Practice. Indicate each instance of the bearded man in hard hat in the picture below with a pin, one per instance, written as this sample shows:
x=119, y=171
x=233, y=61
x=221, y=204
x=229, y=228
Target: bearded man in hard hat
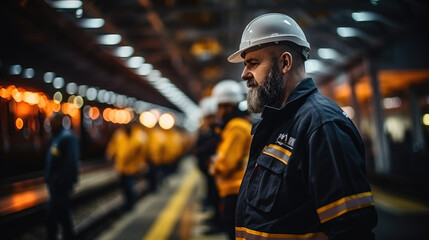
x=230, y=160
x=305, y=177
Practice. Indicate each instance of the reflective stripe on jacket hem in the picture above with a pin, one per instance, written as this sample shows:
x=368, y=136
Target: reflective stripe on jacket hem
x=344, y=205
x=242, y=233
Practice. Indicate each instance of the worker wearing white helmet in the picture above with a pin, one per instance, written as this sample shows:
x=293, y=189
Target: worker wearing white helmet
x=229, y=163
x=205, y=148
x=305, y=177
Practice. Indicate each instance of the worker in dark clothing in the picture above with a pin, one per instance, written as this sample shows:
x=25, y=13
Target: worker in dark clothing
x=61, y=174
x=205, y=148
x=229, y=163
x=305, y=177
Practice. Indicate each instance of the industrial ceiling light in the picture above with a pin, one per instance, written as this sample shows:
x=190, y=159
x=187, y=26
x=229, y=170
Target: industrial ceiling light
x=48, y=77
x=364, y=16
x=124, y=51
x=347, y=32
x=328, y=53
x=58, y=82
x=28, y=73
x=313, y=65
x=66, y=4
x=109, y=39
x=135, y=62
x=145, y=69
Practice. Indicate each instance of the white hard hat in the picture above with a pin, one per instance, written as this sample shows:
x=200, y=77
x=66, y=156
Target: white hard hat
x=270, y=28
x=228, y=91
x=208, y=106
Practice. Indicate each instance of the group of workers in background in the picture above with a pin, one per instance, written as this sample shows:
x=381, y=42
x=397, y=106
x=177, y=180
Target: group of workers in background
x=223, y=148
x=301, y=175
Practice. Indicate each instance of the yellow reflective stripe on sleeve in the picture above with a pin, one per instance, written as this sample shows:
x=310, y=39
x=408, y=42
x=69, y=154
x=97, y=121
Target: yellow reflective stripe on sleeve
x=344, y=205
x=277, y=152
x=55, y=151
x=243, y=233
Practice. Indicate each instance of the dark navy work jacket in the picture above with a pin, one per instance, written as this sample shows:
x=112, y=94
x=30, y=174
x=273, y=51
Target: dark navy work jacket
x=62, y=161
x=305, y=177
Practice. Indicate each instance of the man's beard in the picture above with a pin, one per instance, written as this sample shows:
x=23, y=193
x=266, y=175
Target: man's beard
x=270, y=92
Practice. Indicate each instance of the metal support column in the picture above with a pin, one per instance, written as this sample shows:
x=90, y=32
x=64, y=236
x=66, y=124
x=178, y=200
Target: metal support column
x=381, y=145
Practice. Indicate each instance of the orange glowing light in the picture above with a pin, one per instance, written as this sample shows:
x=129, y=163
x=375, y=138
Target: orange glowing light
x=31, y=98
x=112, y=115
x=43, y=101
x=17, y=95
x=106, y=114
x=94, y=113
x=73, y=112
x=23, y=109
x=56, y=107
x=148, y=119
x=166, y=121
x=19, y=123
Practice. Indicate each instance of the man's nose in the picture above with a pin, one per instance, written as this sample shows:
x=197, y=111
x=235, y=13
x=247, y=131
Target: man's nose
x=246, y=75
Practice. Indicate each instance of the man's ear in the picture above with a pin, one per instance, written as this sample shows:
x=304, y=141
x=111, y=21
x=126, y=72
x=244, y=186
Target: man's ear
x=286, y=59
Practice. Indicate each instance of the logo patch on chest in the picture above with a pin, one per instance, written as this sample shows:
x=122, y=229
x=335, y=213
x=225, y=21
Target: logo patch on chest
x=285, y=140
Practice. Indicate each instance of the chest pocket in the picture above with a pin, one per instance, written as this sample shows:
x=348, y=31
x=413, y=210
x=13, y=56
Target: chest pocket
x=266, y=178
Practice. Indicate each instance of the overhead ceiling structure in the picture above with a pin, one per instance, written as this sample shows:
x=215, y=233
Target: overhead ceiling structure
x=169, y=52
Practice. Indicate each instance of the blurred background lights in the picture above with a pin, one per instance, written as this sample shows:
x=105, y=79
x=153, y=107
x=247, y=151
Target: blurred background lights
x=31, y=98
x=135, y=62
x=66, y=4
x=78, y=101
x=145, y=69
x=364, y=16
x=91, y=94
x=58, y=82
x=328, y=53
x=71, y=88
x=166, y=121
x=426, y=119
x=106, y=113
x=82, y=90
x=79, y=13
x=19, y=123
x=48, y=77
x=28, y=73
x=393, y=102
x=312, y=65
x=94, y=113
x=148, y=119
x=347, y=32
x=124, y=51
x=58, y=97
x=109, y=39
x=15, y=69
x=91, y=23
x=17, y=95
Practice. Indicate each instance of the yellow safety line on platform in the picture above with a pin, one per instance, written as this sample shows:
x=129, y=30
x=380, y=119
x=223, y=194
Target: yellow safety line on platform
x=397, y=203
x=167, y=219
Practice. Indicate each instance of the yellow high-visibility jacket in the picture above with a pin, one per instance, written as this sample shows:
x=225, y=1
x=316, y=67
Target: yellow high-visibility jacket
x=129, y=152
x=232, y=153
x=157, y=146
x=174, y=149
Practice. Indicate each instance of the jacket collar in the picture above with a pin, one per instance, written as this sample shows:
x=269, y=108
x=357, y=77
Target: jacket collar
x=301, y=91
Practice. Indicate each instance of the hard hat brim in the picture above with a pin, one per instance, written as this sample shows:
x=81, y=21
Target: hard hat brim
x=236, y=57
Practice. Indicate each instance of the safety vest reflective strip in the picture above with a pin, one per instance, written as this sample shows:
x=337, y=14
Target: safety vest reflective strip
x=242, y=233
x=277, y=152
x=344, y=205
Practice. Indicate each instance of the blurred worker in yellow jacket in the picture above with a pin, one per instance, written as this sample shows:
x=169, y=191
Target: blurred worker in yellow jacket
x=229, y=163
x=156, y=155
x=128, y=148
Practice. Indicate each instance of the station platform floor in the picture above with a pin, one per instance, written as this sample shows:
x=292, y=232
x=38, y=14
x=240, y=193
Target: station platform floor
x=175, y=211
